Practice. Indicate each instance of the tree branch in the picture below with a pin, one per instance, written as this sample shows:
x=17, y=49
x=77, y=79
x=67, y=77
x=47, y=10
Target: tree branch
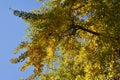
x=87, y=30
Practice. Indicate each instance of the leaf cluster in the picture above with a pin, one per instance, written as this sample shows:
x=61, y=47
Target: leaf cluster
x=70, y=46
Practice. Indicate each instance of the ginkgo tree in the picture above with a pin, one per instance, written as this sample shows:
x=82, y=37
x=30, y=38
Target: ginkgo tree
x=72, y=39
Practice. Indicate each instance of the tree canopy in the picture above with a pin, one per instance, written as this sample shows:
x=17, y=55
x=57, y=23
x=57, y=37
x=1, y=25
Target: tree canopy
x=72, y=39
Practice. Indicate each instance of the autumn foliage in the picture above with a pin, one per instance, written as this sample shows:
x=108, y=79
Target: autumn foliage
x=72, y=39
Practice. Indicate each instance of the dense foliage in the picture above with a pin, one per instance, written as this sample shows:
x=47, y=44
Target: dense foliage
x=72, y=40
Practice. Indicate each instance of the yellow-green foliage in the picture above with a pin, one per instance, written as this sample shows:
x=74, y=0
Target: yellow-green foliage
x=73, y=48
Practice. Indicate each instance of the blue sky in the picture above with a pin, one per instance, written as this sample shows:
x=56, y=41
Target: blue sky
x=12, y=31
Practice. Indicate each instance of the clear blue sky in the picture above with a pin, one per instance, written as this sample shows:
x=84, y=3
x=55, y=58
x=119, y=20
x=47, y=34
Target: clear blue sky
x=12, y=30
